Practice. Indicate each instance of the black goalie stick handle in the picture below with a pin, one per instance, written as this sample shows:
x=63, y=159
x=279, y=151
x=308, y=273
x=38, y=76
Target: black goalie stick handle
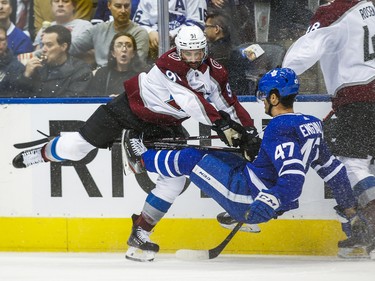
x=214, y=252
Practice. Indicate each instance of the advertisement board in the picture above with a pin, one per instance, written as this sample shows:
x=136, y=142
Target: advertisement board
x=96, y=186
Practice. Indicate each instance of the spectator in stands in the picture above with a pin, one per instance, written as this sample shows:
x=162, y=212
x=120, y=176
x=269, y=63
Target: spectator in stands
x=103, y=13
x=241, y=13
x=23, y=16
x=18, y=41
x=43, y=12
x=10, y=67
x=123, y=63
x=217, y=31
x=63, y=13
x=181, y=13
x=101, y=34
x=55, y=73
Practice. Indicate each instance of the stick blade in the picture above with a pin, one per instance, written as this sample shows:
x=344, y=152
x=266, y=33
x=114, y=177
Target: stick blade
x=185, y=254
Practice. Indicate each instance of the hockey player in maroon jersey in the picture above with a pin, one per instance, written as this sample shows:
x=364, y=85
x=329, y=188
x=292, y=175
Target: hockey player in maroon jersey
x=184, y=83
x=341, y=37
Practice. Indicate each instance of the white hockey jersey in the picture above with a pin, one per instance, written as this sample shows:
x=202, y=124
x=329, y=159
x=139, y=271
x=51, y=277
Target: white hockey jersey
x=342, y=38
x=171, y=92
x=181, y=12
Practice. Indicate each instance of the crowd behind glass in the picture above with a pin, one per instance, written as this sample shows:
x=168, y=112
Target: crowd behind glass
x=101, y=44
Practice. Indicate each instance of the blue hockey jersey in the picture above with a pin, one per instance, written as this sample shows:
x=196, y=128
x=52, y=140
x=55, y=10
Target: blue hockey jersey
x=292, y=144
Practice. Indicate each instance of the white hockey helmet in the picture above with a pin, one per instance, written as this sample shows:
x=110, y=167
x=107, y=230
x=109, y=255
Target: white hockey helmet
x=191, y=38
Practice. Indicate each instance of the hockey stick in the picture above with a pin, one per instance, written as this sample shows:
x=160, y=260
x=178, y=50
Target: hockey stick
x=33, y=143
x=47, y=139
x=187, y=138
x=208, y=254
x=171, y=145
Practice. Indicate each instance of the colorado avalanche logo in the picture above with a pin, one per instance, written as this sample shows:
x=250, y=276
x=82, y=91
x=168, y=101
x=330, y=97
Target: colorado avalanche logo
x=216, y=64
x=174, y=56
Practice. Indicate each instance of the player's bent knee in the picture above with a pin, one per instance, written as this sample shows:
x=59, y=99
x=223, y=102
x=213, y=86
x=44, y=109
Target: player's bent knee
x=189, y=158
x=70, y=146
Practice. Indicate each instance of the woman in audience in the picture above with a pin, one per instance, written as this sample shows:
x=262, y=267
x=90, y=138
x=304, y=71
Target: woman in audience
x=10, y=67
x=123, y=63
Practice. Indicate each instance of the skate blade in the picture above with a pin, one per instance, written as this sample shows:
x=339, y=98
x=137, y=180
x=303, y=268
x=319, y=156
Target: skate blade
x=139, y=255
x=125, y=162
x=254, y=228
x=353, y=253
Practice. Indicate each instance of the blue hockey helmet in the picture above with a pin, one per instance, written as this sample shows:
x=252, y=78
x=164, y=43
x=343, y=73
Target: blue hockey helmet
x=284, y=80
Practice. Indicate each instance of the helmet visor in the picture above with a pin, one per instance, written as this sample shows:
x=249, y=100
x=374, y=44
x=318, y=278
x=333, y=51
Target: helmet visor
x=261, y=96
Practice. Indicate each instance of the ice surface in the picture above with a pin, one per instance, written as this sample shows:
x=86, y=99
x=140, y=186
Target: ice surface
x=114, y=267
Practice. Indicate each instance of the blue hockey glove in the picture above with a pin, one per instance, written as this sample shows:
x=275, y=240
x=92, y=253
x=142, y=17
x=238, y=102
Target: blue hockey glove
x=262, y=209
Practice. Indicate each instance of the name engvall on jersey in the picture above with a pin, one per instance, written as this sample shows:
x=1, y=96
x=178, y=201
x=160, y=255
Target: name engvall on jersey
x=311, y=129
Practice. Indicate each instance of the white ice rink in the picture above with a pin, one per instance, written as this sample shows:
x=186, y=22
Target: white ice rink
x=114, y=267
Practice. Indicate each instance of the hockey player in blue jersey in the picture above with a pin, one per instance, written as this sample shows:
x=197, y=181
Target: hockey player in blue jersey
x=256, y=192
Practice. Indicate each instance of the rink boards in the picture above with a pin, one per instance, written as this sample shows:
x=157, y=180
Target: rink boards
x=86, y=206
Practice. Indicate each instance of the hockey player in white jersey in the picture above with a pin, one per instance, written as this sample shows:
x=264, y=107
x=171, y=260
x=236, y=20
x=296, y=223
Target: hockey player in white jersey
x=184, y=83
x=181, y=13
x=271, y=185
x=341, y=37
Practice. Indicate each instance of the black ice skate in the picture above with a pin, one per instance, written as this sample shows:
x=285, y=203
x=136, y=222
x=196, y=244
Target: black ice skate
x=228, y=222
x=132, y=148
x=355, y=247
x=140, y=246
x=28, y=158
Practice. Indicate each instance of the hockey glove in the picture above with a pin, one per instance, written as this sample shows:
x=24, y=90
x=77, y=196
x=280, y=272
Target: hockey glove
x=250, y=143
x=224, y=129
x=352, y=226
x=262, y=209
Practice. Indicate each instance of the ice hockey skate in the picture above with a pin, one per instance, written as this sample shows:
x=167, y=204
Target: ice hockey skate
x=355, y=247
x=140, y=246
x=228, y=222
x=132, y=148
x=28, y=158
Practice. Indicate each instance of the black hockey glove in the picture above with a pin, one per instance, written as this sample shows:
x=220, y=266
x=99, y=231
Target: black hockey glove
x=354, y=225
x=224, y=129
x=250, y=143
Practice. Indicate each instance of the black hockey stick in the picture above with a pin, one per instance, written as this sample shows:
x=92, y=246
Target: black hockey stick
x=33, y=143
x=23, y=145
x=47, y=139
x=187, y=138
x=171, y=145
x=208, y=254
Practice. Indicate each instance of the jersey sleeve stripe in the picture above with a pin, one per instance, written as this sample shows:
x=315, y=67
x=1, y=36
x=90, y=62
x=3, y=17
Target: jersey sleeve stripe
x=292, y=172
x=327, y=164
x=334, y=172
